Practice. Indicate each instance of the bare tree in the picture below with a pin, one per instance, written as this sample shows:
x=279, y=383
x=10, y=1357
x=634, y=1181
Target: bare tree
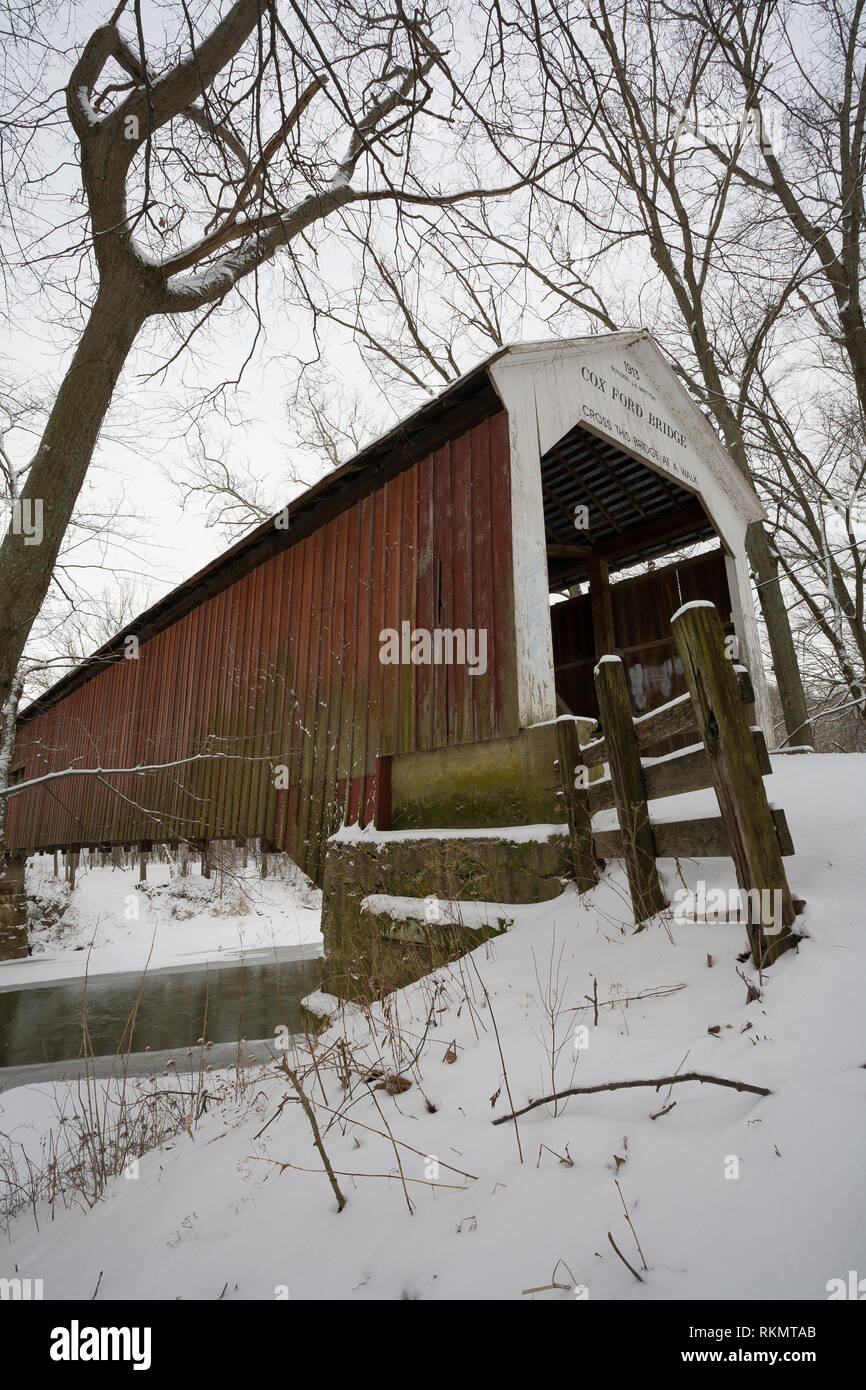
x=644, y=225
x=196, y=170
x=808, y=460
x=803, y=68
x=327, y=426
x=102, y=539
x=664, y=215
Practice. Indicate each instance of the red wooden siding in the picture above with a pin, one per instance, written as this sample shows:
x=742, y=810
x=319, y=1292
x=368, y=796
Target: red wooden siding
x=642, y=612
x=283, y=668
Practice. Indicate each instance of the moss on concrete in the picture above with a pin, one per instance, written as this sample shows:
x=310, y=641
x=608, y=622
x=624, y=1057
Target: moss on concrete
x=501, y=781
x=504, y=782
x=368, y=954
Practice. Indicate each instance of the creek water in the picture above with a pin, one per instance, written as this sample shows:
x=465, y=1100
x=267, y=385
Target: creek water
x=166, y=1012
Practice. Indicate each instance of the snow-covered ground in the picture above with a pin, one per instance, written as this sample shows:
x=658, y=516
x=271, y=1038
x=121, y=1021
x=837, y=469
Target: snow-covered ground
x=729, y=1194
x=115, y=924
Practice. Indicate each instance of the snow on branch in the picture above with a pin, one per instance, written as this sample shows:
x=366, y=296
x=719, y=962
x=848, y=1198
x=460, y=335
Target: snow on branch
x=139, y=770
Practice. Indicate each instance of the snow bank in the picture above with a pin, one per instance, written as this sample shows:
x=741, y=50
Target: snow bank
x=515, y=834
x=732, y=1195
x=442, y=912
x=115, y=924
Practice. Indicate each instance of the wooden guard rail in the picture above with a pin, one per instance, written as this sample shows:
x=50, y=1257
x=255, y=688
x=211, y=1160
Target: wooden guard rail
x=731, y=757
x=677, y=717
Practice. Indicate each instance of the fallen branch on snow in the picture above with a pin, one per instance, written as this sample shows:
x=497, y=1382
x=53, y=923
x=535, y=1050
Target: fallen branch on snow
x=657, y=1083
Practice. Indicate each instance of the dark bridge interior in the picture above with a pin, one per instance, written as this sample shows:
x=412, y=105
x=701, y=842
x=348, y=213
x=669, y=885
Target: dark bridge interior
x=634, y=513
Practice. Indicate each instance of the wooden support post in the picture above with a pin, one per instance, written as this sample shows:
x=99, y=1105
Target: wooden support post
x=56, y=867
x=145, y=852
x=626, y=775
x=266, y=847
x=205, y=859
x=382, y=809
x=73, y=865
x=576, y=806
x=604, y=637
x=737, y=778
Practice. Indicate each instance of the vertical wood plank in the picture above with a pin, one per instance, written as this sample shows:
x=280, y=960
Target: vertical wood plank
x=425, y=600
x=507, y=707
x=604, y=636
x=576, y=807
x=626, y=777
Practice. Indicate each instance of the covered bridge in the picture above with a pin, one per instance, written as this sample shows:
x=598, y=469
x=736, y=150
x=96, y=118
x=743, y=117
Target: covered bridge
x=402, y=605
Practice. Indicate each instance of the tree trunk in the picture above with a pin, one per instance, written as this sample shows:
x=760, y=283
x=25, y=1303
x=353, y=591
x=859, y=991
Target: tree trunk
x=766, y=571
x=8, y=721
x=62, y=459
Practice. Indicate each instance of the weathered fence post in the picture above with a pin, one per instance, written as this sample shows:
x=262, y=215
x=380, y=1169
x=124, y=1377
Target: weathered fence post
x=576, y=806
x=627, y=782
x=737, y=778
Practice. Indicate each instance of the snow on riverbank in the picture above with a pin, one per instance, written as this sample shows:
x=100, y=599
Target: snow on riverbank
x=730, y=1194
x=113, y=924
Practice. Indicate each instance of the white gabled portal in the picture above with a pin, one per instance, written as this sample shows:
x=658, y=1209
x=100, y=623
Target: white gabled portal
x=619, y=387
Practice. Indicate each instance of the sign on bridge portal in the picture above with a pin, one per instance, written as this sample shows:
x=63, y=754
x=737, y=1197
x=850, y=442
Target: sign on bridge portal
x=622, y=401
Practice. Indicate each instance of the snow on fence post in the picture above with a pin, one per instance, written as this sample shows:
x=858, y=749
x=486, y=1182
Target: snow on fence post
x=629, y=791
x=737, y=778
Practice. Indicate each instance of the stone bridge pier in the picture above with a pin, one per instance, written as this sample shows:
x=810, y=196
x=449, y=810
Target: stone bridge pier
x=13, y=909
